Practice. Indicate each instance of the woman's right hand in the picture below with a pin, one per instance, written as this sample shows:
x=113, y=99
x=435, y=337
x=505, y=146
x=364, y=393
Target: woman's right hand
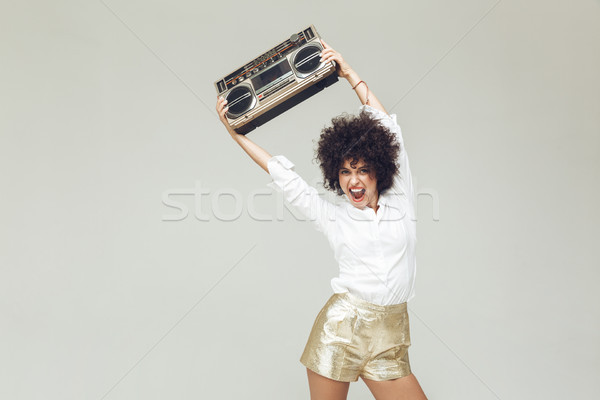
x=222, y=110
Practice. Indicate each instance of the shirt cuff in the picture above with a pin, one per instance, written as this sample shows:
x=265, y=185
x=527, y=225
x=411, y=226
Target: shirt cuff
x=389, y=121
x=378, y=113
x=279, y=168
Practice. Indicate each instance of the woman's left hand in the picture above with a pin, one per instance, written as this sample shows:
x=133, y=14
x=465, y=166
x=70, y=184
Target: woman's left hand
x=329, y=54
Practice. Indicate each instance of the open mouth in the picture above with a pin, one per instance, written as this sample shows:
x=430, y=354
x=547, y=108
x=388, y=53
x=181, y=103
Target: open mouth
x=357, y=194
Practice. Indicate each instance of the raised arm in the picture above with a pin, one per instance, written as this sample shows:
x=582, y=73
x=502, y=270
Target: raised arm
x=345, y=71
x=257, y=153
x=295, y=190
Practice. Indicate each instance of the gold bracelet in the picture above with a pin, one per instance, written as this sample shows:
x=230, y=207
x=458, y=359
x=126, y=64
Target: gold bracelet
x=354, y=87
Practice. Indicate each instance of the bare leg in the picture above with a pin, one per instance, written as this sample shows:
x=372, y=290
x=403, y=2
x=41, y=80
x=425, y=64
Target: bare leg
x=322, y=388
x=405, y=388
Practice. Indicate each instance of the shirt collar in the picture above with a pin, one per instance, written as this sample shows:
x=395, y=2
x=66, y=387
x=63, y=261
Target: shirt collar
x=384, y=200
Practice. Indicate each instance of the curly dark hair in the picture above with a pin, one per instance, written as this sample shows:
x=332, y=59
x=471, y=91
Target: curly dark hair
x=352, y=138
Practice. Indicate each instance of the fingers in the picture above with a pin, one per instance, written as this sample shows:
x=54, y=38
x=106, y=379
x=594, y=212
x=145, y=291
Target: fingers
x=330, y=54
x=222, y=106
x=328, y=58
x=328, y=51
x=221, y=102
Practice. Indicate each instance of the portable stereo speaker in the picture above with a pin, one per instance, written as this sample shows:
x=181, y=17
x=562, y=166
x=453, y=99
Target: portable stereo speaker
x=276, y=81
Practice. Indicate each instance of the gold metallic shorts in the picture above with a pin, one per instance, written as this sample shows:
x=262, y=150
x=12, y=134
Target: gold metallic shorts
x=352, y=337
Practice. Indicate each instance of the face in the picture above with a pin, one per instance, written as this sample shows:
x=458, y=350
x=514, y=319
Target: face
x=359, y=183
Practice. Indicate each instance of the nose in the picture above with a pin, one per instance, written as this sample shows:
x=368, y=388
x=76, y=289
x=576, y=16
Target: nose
x=354, y=180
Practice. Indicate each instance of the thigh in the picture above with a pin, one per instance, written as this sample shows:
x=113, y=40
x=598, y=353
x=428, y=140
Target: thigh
x=322, y=388
x=405, y=388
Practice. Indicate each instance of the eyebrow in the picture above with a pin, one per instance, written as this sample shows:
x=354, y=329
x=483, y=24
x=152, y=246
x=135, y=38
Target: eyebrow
x=362, y=166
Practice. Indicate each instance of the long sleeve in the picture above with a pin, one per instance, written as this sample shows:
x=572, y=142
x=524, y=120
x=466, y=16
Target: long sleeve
x=403, y=184
x=300, y=194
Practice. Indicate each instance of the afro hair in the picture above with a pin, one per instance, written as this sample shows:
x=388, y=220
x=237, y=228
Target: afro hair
x=353, y=138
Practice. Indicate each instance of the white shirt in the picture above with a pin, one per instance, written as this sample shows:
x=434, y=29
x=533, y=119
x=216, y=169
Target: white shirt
x=375, y=251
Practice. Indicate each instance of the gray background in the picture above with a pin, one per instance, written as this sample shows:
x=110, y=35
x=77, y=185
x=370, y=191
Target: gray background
x=105, y=107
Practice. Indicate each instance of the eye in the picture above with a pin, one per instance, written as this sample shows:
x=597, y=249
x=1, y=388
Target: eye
x=344, y=172
x=364, y=171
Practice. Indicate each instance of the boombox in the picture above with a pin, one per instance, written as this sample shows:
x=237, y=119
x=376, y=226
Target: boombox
x=276, y=81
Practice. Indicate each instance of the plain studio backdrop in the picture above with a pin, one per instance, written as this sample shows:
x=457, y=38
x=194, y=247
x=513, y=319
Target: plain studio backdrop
x=107, y=117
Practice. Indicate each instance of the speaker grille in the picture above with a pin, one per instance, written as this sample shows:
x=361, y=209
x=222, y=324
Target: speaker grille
x=306, y=60
x=240, y=100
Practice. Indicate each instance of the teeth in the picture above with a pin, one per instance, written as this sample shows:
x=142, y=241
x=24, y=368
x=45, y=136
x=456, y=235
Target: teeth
x=356, y=190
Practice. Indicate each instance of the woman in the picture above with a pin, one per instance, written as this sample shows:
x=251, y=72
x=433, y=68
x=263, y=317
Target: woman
x=363, y=329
